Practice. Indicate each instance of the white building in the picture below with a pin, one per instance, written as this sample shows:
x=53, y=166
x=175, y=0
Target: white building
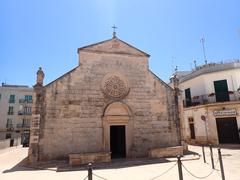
x=15, y=111
x=211, y=101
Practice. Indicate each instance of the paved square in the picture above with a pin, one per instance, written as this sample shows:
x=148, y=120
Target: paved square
x=9, y=158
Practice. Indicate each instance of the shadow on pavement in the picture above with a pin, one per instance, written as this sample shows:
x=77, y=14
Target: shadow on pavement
x=191, y=153
x=18, y=167
x=115, y=164
x=63, y=166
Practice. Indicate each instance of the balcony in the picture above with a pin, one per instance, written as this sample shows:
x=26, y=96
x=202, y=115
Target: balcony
x=212, y=98
x=11, y=101
x=9, y=126
x=23, y=101
x=23, y=126
x=10, y=113
x=24, y=113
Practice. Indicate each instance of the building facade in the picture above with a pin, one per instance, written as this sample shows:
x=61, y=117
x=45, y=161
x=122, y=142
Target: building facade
x=211, y=100
x=15, y=111
x=110, y=103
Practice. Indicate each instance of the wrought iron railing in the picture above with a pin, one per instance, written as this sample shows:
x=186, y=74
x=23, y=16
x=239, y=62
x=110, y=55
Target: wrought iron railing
x=24, y=113
x=23, y=125
x=9, y=126
x=10, y=113
x=212, y=98
x=25, y=101
x=11, y=101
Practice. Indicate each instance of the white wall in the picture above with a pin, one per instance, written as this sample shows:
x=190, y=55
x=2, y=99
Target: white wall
x=203, y=84
x=232, y=77
x=19, y=93
x=196, y=85
x=200, y=130
x=199, y=124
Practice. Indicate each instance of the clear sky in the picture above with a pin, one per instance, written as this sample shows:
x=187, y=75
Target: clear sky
x=47, y=33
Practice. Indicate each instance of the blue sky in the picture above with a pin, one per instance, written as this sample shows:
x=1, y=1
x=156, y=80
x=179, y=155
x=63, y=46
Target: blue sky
x=47, y=33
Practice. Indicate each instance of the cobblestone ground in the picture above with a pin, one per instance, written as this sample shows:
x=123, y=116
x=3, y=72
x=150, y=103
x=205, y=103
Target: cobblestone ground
x=11, y=157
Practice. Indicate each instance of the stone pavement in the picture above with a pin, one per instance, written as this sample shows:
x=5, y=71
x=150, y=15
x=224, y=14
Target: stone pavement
x=139, y=169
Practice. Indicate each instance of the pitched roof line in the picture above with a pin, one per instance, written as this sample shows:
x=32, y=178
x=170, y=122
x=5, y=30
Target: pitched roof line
x=110, y=40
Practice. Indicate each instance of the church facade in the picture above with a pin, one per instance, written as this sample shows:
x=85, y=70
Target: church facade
x=110, y=103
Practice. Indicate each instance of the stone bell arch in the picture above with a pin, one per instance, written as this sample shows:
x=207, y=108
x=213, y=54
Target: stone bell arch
x=118, y=114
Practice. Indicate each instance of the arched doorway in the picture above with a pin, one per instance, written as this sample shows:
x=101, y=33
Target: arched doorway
x=117, y=130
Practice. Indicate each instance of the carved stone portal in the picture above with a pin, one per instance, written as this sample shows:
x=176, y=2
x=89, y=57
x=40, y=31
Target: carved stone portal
x=118, y=114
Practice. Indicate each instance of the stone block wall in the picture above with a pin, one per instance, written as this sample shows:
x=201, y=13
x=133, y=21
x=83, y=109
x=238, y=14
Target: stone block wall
x=74, y=105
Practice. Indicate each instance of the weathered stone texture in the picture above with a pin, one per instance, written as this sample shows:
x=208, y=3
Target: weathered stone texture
x=85, y=158
x=74, y=106
x=165, y=152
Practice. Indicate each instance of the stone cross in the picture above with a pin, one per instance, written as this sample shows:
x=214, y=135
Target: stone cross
x=114, y=31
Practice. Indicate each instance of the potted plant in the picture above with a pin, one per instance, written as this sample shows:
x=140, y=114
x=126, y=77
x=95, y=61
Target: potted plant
x=230, y=92
x=211, y=94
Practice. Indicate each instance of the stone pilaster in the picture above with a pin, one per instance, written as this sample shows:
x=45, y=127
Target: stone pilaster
x=37, y=113
x=176, y=101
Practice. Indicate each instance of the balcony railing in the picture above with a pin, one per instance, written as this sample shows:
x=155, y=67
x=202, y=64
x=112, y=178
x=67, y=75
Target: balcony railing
x=24, y=113
x=19, y=126
x=10, y=113
x=9, y=126
x=212, y=98
x=25, y=101
x=11, y=101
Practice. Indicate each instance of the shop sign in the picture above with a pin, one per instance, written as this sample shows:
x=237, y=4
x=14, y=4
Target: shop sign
x=225, y=112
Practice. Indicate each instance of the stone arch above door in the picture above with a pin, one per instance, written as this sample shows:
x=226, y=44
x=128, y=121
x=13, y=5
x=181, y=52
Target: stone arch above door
x=117, y=114
x=117, y=109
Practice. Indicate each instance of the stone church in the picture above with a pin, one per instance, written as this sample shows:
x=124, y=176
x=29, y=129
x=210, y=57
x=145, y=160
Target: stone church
x=110, y=106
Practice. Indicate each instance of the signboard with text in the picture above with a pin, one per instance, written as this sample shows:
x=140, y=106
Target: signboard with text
x=225, y=112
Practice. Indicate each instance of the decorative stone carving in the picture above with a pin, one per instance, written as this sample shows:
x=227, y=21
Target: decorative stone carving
x=115, y=86
x=40, y=76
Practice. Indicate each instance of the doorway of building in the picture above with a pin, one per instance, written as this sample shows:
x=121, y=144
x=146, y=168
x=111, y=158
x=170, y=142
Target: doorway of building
x=188, y=97
x=191, y=127
x=227, y=130
x=221, y=90
x=117, y=142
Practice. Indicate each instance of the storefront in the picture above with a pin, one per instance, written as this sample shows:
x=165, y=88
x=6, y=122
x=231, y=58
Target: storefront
x=227, y=127
x=212, y=124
